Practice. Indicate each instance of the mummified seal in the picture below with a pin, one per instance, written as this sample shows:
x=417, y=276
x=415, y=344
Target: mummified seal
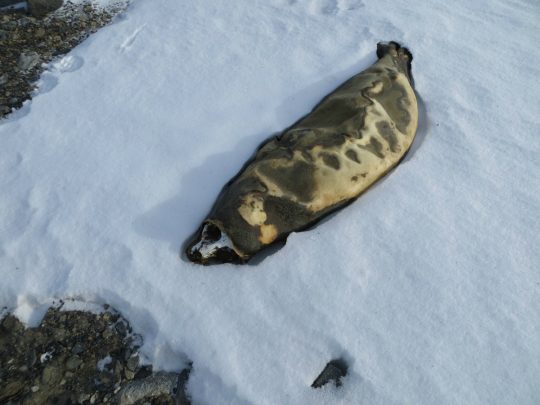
x=351, y=139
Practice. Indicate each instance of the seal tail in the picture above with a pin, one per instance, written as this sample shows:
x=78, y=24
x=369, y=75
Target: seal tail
x=401, y=56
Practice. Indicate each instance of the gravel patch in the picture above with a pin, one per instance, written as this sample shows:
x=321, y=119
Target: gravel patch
x=78, y=357
x=28, y=43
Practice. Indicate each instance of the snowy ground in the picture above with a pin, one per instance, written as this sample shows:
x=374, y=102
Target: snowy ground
x=429, y=285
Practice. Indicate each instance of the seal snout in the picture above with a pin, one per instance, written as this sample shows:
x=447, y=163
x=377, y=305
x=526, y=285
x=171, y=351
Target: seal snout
x=194, y=255
x=211, y=246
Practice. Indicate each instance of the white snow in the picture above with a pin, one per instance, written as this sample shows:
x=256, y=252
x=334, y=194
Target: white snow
x=30, y=311
x=14, y=6
x=101, y=364
x=45, y=357
x=428, y=285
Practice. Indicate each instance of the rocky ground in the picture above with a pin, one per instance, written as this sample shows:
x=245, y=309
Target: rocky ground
x=28, y=41
x=73, y=357
x=78, y=357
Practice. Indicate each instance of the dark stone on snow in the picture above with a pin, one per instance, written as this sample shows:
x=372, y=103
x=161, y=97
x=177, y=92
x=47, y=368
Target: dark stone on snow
x=334, y=371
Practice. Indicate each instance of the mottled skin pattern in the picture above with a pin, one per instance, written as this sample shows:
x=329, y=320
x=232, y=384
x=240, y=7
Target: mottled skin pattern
x=352, y=138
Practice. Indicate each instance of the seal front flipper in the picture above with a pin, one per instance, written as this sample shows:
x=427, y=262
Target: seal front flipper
x=402, y=57
x=328, y=158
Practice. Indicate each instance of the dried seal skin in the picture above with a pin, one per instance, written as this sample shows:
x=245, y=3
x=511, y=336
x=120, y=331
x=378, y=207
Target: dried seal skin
x=351, y=139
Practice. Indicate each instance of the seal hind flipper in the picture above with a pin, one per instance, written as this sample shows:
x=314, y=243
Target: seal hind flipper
x=401, y=55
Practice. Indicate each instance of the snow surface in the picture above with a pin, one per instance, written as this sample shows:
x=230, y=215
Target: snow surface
x=428, y=285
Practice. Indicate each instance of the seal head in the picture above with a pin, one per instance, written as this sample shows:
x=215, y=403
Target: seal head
x=212, y=245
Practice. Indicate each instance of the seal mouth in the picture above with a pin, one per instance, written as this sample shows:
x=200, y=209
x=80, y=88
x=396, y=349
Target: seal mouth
x=212, y=246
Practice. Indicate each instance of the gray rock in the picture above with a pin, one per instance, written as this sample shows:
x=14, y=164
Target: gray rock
x=51, y=375
x=11, y=389
x=133, y=363
x=84, y=397
x=73, y=362
x=129, y=374
x=78, y=348
x=39, y=8
x=157, y=385
x=27, y=60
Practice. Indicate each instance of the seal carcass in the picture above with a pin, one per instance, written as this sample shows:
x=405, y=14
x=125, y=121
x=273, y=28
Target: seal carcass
x=351, y=139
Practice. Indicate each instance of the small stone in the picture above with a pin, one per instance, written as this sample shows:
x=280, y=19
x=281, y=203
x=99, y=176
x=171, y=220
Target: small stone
x=84, y=397
x=27, y=60
x=105, y=379
x=93, y=398
x=78, y=348
x=129, y=374
x=160, y=384
x=121, y=328
x=133, y=363
x=144, y=371
x=51, y=375
x=34, y=388
x=73, y=362
x=107, y=334
x=11, y=389
x=118, y=368
x=39, y=8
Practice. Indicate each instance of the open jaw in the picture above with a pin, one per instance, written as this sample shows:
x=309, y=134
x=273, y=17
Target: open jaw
x=212, y=246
